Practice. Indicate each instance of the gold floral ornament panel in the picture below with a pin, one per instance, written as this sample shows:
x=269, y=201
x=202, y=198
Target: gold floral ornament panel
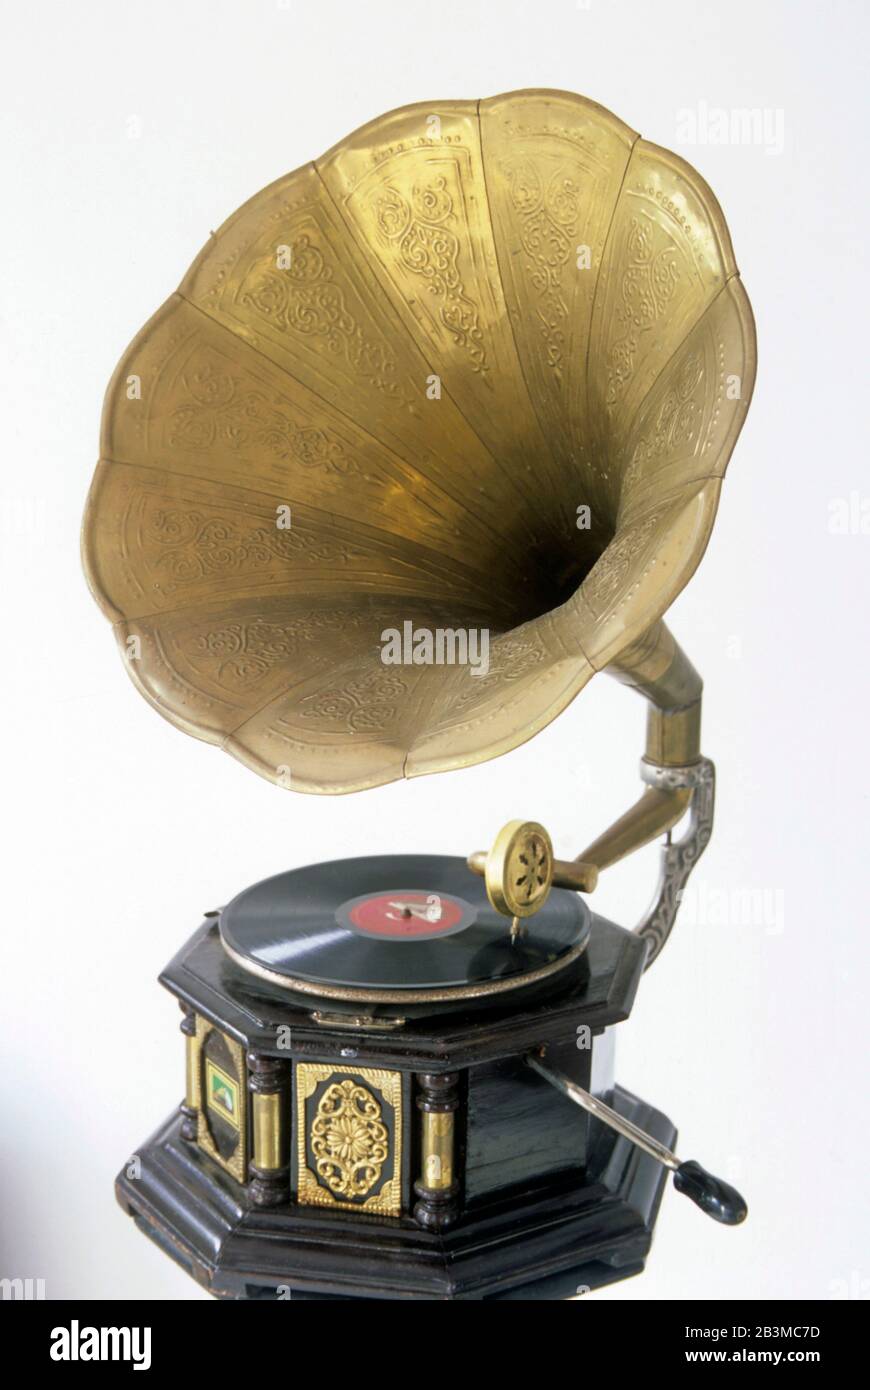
x=349, y=1128
x=482, y=365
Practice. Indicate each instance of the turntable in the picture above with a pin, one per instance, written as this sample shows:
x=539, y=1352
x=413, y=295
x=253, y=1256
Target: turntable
x=433, y=430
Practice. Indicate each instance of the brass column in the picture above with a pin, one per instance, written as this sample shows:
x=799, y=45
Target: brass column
x=269, y=1168
x=437, y=1188
x=191, y=1059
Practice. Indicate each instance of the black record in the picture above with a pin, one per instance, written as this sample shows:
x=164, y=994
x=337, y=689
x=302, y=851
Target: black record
x=411, y=921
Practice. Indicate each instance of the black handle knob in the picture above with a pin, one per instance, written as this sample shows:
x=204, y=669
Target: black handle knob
x=717, y=1198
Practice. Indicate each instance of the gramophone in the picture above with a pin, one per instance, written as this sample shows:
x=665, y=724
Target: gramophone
x=433, y=430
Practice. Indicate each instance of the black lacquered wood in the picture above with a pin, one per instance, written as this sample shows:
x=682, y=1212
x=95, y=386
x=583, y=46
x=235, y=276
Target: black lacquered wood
x=570, y=1235
x=545, y=1200
x=597, y=990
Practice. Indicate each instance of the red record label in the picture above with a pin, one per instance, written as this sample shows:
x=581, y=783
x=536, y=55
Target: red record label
x=406, y=914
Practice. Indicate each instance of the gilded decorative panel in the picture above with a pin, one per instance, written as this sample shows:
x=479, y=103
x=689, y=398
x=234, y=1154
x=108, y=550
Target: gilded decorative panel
x=349, y=1138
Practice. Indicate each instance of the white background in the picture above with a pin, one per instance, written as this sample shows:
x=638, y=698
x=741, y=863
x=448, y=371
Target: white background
x=120, y=830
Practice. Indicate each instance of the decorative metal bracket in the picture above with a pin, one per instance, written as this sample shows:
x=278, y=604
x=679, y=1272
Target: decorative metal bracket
x=678, y=782
x=679, y=857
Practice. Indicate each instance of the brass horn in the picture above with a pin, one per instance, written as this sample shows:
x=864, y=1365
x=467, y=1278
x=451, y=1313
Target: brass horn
x=479, y=369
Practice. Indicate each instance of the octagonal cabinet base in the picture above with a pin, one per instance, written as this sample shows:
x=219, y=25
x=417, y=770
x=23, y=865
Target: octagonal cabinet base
x=322, y=1154
x=560, y=1241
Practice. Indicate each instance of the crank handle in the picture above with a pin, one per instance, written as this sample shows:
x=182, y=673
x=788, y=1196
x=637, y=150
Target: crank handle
x=714, y=1196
